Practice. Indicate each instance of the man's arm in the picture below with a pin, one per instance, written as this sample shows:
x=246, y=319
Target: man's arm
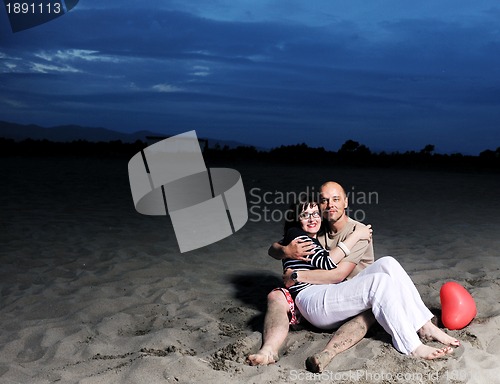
x=297, y=249
x=300, y=249
x=320, y=276
x=359, y=240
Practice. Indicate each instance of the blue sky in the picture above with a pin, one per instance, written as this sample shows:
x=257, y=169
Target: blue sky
x=391, y=74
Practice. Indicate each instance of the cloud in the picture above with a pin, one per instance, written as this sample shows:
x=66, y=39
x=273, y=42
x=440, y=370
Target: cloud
x=45, y=68
x=237, y=67
x=200, y=71
x=76, y=54
x=13, y=103
x=166, y=88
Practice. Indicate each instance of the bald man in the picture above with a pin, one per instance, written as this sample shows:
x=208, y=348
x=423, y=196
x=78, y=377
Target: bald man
x=333, y=203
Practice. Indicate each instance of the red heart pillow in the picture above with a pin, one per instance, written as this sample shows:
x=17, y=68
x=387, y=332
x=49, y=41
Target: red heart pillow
x=458, y=308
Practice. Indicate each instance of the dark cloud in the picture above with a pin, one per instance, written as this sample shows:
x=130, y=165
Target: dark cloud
x=395, y=83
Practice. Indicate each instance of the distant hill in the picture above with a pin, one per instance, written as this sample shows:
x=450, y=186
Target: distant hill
x=67, y=133
x=74, y=140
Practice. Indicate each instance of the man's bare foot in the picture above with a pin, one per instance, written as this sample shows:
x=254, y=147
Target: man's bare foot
x=430, y=332
x=318, y=362
x=430, y=353
x=263, y=357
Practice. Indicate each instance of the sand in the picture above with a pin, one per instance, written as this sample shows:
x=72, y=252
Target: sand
x=93, y=292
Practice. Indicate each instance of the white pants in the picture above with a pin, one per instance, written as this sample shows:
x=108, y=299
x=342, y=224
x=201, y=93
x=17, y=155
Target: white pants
x=385, y=287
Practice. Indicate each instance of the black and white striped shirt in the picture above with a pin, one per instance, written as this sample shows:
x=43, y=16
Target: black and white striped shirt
x=320, y=259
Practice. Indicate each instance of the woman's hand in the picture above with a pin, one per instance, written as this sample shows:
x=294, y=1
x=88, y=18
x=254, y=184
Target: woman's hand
x=363, y=232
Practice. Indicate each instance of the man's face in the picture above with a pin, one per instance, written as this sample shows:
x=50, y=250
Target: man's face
x=332, y=201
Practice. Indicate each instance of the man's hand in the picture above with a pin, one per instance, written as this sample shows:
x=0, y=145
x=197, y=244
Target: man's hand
x=287, y=280
x=299, y=249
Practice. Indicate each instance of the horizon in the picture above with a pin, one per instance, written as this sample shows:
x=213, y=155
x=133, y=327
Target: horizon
x=391, y=76
x=428, y=148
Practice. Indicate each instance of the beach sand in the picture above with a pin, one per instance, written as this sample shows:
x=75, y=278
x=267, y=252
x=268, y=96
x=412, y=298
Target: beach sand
x=93, y=292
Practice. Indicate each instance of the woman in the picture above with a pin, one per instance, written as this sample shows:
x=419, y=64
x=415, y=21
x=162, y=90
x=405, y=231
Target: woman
x=384, y=287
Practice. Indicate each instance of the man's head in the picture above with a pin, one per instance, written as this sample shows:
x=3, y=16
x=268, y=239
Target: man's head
x=333, y=202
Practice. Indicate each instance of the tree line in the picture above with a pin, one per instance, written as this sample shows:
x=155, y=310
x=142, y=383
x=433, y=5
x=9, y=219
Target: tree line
x=351, y=153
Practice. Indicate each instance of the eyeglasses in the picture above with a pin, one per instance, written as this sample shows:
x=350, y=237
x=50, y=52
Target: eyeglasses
x=307, y=215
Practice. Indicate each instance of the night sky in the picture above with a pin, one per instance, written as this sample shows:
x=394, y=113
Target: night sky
x=394, y=75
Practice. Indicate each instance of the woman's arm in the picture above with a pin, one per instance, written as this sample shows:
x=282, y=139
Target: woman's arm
x=359, y=233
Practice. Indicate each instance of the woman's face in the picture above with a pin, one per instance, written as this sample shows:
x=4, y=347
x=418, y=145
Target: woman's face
x=310, y=220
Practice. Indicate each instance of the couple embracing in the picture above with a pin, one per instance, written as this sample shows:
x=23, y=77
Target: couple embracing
x=333, y=281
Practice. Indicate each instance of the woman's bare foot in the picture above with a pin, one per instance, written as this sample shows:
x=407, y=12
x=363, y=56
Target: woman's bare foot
x=318, y=362
x=430, y=353
x=263, y=357
x=430, y=332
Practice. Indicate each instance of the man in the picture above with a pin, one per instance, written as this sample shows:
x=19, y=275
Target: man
x=333, y=203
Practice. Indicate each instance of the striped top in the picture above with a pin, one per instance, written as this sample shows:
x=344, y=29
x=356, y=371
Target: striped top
x=318, y=260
